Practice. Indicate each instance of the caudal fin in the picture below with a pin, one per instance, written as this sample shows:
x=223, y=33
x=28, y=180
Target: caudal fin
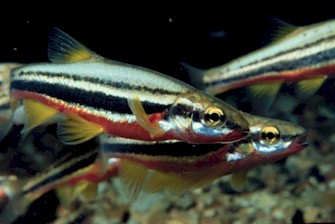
x=5, y=114
x=11, y=205
x=5, y=108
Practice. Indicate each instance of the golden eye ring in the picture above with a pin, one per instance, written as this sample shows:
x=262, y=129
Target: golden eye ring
x=214, y=117
x=270, y=135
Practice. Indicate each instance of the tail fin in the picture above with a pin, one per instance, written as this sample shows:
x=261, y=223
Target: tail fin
x=5, y=114
x=196, y=75
x=5, y=109
x=11, y=205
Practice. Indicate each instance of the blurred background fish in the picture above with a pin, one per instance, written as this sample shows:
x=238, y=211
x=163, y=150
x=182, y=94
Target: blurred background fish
x=5, y=108
x=302, y=54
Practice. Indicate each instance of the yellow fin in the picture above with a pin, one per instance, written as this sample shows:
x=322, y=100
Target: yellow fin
x=63, y=48
x=137, y=109
x=265, y=93
x=132, y=176
x=283, y=29
x=67, y=193
x=157, y=181
x=237, y=180
x=308, y=87
x=74, y=130
x=36, y=114
x=90, y=192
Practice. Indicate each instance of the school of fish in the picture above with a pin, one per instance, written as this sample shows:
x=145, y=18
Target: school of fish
x=154, y=132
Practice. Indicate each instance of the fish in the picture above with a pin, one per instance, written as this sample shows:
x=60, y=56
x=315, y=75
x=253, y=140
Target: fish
x=92, y=95
x=154, y=166
x=5, y=109
x=183, y=167
x=304, y=55
x=77, y=177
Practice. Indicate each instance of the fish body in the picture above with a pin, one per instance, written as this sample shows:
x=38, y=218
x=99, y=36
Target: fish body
x=154, y=166
x=305, y=54
x=97, y=95
x=71, y=179
x=183, y=167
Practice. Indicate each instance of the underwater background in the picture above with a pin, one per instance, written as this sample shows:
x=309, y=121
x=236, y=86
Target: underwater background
x=159, y=36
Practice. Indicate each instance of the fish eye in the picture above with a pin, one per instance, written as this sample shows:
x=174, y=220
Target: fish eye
x=214, y=117
x=270, y=134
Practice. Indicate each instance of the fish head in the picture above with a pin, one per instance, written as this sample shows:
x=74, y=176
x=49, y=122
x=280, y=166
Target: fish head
x=207, y=119
x=269, y=141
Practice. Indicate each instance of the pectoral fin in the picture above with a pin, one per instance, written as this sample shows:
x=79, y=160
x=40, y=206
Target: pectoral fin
x=74, y=130
x=37, y=113
x=132, y=176
x=265, y=93
x=137, y=109
x=237, y=180
x=308, y=87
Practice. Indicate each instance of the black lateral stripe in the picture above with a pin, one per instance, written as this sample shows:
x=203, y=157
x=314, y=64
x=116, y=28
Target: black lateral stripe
x=179, y=149
x=120, y=85
x=77, y=164
x=304, y=47
x=96, y=99
x=320, y=58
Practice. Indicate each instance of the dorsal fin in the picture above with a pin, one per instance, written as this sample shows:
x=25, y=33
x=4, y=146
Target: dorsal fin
x=63, y=48
x=282, y=29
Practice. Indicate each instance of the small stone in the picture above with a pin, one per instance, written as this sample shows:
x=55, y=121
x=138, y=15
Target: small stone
x=209, y=213
x=311, y=214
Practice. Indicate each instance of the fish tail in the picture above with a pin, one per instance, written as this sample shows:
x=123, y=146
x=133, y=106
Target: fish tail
x=5, y=109
x=11, y=204
x=5, y=114
x=196, y=75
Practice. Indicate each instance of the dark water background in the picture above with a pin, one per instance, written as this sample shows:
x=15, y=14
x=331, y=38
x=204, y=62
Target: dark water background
x=158, y=35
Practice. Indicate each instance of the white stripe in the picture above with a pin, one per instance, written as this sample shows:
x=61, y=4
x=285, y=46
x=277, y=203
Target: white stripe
x=291, y=56
x=135, y=77
x=308, y=35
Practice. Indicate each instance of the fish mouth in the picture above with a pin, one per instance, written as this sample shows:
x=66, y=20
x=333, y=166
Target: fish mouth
x=302, y=142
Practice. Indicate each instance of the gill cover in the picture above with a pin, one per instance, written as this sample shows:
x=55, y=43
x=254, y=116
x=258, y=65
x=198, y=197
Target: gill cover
x=190, y=113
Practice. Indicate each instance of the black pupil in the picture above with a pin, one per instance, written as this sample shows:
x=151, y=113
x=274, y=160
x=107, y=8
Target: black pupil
x=212, y=117
x=269, y=135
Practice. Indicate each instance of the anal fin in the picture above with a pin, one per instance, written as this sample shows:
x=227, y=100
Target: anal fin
x=132, y=176
x=265, y=93
x=308, y=87
x=175, y=183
